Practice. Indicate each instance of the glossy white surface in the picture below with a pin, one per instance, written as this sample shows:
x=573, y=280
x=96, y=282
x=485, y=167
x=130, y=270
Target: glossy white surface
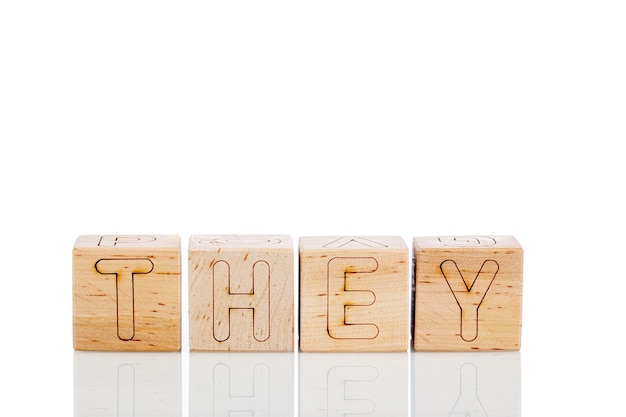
x=263, y=384
x=257, y=384
x=461, y=384
x=338, y=384
x=127, y=384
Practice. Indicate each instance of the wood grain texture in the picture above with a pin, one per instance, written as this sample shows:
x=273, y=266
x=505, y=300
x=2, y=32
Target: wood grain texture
x=354, y=293
x=126, y=293
x=468, y=293
x=241, y=293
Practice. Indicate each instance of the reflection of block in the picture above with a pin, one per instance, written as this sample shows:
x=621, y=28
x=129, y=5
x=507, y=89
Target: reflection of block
x=127, y=384
x=241, y=293
x=242, y=383
x=343, y=384
x=468, y=293
x=460, y=384
x=127, y=293
x=353, y=294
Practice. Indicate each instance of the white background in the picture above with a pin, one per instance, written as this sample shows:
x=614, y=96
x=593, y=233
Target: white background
x=313, y=118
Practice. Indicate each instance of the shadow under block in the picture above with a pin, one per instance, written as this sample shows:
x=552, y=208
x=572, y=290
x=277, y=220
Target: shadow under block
x=127, y=293
x=241, y=293
x=468, y=293
x=354, y=294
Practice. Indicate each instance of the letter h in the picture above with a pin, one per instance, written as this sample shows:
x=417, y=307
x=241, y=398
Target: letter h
x=227, y=298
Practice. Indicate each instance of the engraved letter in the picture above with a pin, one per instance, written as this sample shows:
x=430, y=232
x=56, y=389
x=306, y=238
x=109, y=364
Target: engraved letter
x=469, y=296
x=125, y=270
x=226, y=298
x=466, y=242
x=345, y=303
x=110, y=241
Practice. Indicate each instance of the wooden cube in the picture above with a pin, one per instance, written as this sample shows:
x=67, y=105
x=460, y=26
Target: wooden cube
x=468, y=293
x=127, y=293
x=354, y=294
x=241, y=293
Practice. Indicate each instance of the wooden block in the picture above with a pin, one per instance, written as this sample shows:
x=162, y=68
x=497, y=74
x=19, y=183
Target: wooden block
x=354, y=293
x=241, y=293
x=127, y=293
x=468, y=293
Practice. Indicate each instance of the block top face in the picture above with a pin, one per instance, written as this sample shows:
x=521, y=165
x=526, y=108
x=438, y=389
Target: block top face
x=351, y=242
x=104, y=242
x=466, y=242
x=237, y=242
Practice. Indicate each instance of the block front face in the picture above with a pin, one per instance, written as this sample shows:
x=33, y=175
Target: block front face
x=353, y=293
x=127, y=293
x=241, y=293
x=468, y=293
